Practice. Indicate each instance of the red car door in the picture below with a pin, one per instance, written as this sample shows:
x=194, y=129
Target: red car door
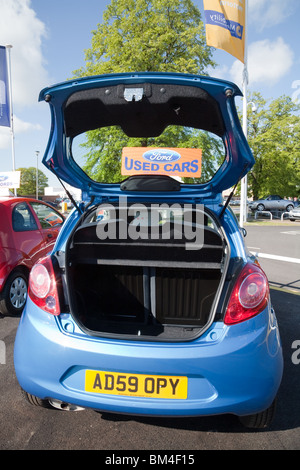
x=50, y=223
x=28, y=239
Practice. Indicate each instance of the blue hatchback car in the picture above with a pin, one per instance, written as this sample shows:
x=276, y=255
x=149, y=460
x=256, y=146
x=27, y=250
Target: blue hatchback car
x=149, y=303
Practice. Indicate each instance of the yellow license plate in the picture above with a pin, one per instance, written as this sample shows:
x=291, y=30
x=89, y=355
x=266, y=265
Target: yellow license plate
x=139, y=385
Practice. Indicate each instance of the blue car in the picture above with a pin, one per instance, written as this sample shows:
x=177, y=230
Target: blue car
x=149, y=303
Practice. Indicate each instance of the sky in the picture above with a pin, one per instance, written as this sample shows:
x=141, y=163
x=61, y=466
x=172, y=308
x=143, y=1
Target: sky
x=49, y=39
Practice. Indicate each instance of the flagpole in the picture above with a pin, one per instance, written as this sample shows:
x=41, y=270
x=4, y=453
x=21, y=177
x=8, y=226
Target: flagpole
x=244, y=182
x=8, y=47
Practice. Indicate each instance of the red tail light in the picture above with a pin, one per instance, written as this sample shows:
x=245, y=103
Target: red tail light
x=249, y=296
x=42, y=286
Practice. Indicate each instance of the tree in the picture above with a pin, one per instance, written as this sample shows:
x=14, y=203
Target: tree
x=148, y=35
x=145, y=35
x=274, y=136
x=28, y=182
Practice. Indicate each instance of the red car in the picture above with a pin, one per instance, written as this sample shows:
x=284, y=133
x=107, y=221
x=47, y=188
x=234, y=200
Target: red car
x=28, y=230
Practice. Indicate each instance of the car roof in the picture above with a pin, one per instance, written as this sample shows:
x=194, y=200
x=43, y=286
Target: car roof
x=8, y=200
x=11, y=199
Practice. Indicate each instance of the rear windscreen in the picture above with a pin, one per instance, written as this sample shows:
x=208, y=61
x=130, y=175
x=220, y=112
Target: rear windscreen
x=109, y=155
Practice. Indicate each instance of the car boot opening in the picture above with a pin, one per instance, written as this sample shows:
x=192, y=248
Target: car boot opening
x=156, y=285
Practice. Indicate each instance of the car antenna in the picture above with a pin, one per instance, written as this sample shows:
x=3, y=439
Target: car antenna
x=233, y=191
x=67, y=192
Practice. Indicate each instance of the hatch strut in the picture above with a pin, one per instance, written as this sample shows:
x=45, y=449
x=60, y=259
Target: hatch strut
x=67, y=192
x=233, y=191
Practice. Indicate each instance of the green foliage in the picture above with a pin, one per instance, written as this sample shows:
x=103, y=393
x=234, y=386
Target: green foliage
x=28, y=182
x=274, y=136
x=146, y=35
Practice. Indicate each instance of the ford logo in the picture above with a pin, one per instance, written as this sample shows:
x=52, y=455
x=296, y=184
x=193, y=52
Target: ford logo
x=3, y=178
x=161, y=155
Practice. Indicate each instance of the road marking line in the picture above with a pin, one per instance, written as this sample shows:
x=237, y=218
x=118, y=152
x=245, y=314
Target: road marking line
x=276, y=257
x=292, y=232
x=284, y=289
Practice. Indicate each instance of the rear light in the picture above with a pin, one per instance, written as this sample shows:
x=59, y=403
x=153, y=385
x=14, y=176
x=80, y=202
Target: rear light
x=42, y=286
x=250, y=295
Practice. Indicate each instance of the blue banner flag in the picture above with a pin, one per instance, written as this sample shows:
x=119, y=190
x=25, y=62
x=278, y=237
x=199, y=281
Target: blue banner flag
x=4, y=90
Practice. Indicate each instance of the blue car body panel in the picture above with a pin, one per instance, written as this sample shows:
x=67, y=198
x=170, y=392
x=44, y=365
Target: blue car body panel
x=233, y=369
x=230, y=368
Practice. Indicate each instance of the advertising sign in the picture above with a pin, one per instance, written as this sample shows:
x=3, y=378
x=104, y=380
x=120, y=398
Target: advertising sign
x=225, y=26
x=4, y=90
x=180, y=162
x=10, y=179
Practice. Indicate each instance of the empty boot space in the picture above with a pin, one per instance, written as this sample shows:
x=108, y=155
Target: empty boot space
x=184, y=296
x=108, y=294
x=124, y=299
x=144, y=287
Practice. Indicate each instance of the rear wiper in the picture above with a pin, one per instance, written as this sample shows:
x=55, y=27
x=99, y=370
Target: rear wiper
x=233, y=191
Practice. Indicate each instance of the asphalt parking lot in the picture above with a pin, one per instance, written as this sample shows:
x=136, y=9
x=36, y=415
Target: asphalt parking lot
x=25, y=427
x=277, y=246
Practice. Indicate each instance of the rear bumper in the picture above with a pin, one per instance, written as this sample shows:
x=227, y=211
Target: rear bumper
x=234, y=369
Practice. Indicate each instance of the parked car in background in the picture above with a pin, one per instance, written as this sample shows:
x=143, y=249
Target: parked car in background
x=51, y=203
x=271, y=203
x=68, y=202
x=294, y=214
x=28, y=230
x=235, y=202
x=131, y=312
